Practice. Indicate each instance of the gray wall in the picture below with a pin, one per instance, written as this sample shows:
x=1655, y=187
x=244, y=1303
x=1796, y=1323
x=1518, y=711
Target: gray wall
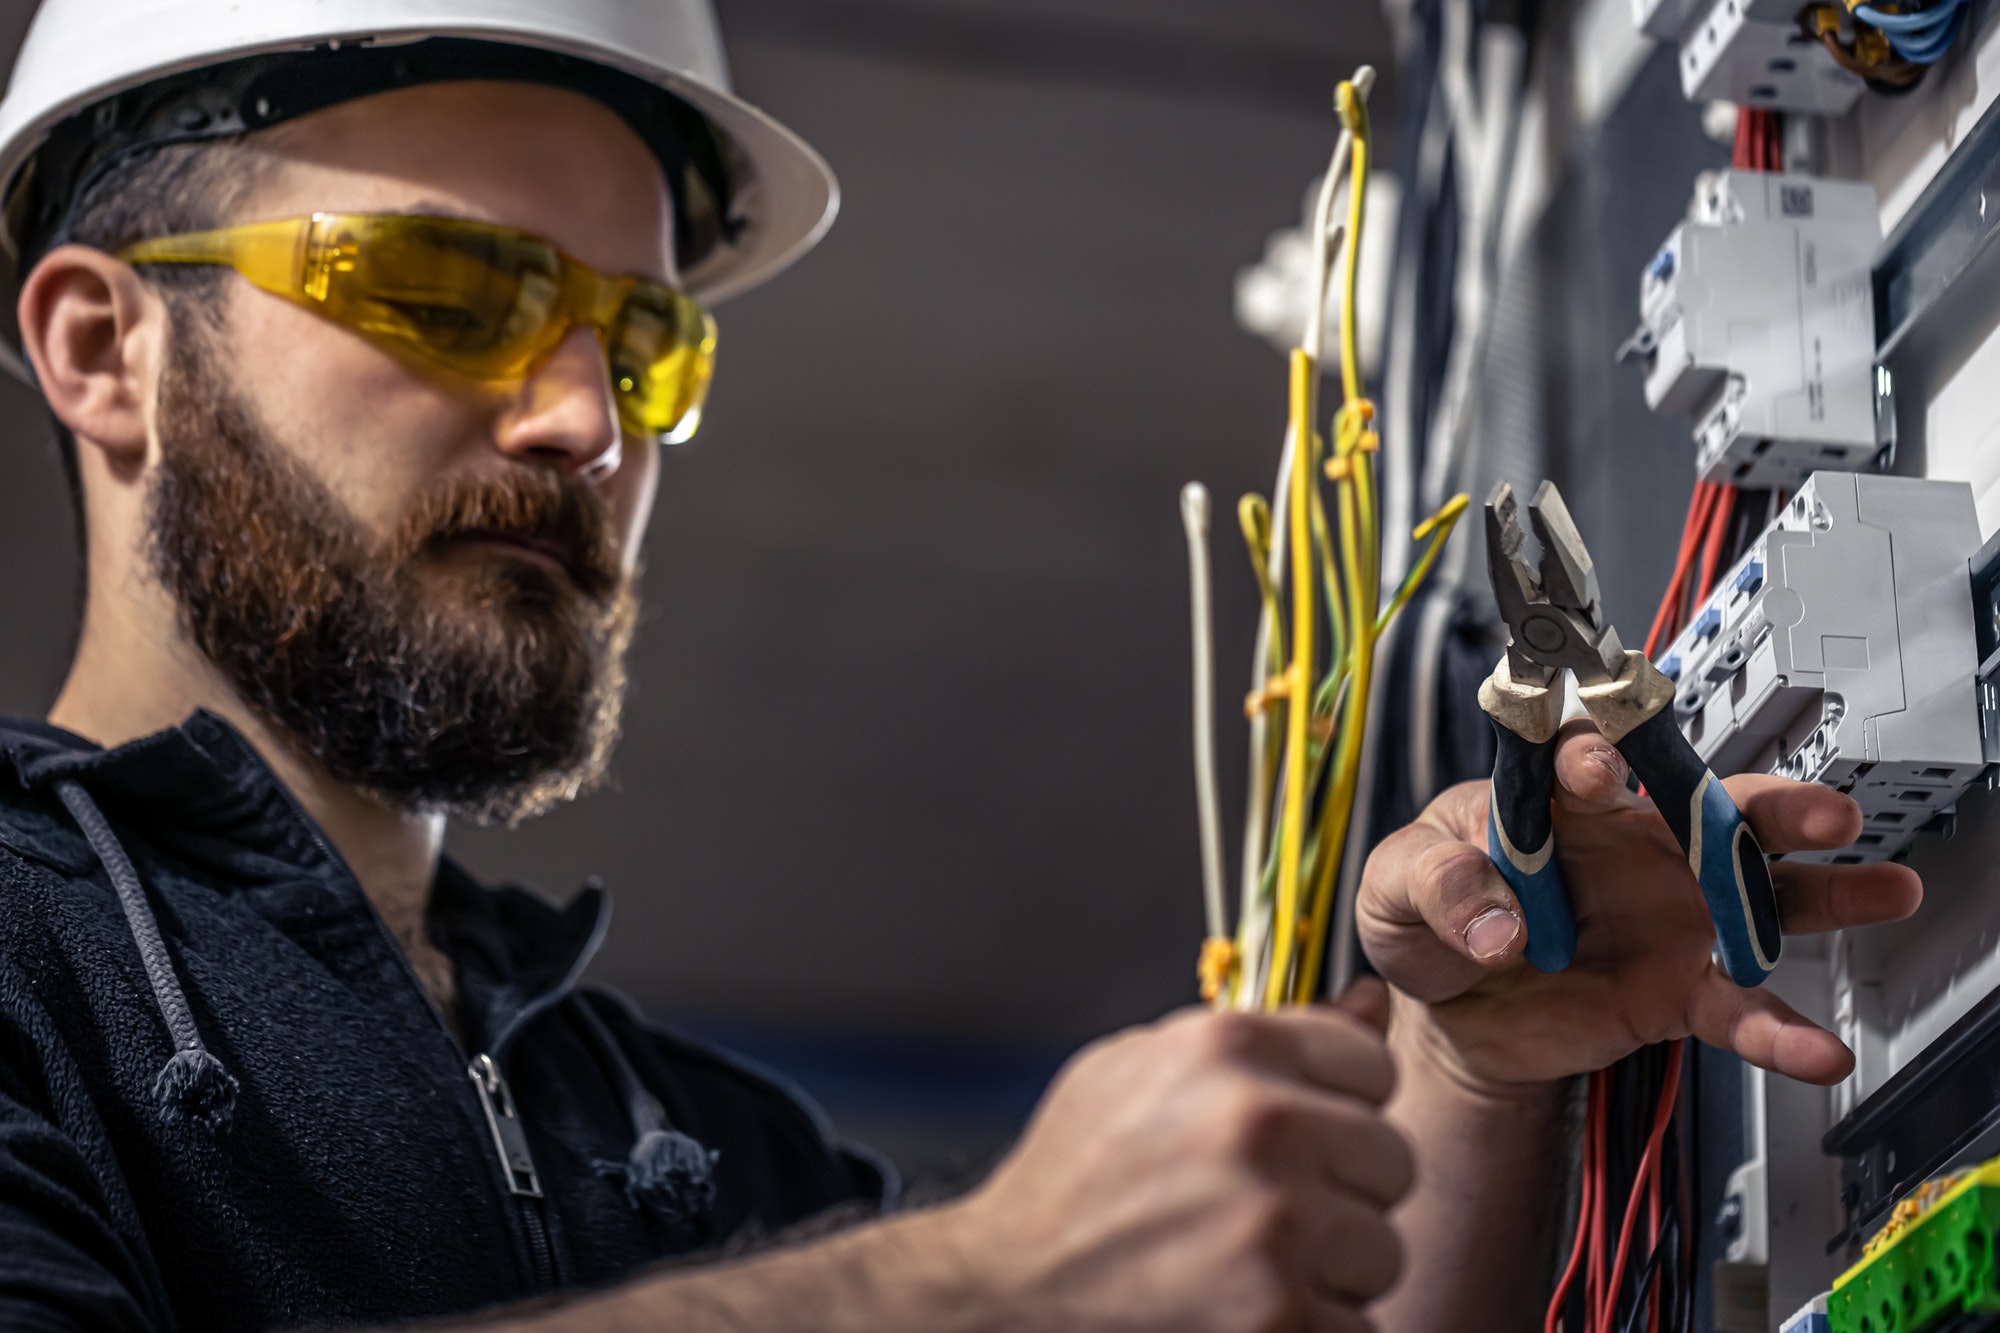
x=907, y=758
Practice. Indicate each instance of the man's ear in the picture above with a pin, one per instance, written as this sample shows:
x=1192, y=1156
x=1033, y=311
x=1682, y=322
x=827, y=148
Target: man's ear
x=92, y=332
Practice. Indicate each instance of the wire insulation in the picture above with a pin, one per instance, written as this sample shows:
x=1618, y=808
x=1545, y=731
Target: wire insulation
x=1319, y=568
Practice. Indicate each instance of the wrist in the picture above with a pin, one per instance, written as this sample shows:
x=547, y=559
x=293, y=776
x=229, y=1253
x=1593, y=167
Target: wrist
x=945, y=1270
x=918, y=1272
x=1427, y=1058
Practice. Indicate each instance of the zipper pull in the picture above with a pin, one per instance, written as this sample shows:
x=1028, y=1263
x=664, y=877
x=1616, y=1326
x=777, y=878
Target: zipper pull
x=508, y=1138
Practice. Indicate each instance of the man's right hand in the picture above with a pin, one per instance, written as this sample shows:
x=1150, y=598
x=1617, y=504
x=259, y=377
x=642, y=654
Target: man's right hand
x=1211, y=1173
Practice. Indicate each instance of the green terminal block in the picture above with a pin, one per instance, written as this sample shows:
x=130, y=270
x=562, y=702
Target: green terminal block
x=1932, y=1263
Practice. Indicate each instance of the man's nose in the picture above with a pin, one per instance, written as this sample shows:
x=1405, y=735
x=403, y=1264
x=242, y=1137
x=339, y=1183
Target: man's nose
x=564, y=415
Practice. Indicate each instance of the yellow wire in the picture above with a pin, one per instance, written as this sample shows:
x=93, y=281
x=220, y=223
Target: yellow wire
x=1336, y=609
x=1438, y=527
x=1347, y=761
x=1354, y=117
x=1360, y=560
x=1346, y=557
x=1253, y=515
x=1291, y=825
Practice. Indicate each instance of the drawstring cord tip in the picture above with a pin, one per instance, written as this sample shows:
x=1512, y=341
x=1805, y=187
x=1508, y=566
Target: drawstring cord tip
x=194, y=1087
x=674, y=1174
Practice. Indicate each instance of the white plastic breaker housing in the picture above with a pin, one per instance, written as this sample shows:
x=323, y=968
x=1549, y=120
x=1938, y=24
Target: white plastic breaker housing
x=1752, y=53
x=1757, y=320
x=1840, y=650
x=1666, y=20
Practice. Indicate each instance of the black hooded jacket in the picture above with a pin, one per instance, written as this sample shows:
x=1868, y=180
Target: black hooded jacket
x=226, y=1103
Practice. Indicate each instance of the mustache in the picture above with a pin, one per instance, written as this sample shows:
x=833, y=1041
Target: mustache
x=559, y=515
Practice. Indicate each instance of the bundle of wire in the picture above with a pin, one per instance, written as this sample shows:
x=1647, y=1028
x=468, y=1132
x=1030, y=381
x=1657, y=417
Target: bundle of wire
x=1637, y=1145
x=1891, y=45
x=1610, y=1284
x=1318, y=570
x=1918, y=34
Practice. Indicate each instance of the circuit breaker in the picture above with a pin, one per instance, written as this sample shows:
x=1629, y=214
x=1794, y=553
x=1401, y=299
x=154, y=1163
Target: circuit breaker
x=1751, y=53
x=1841, y=650
x=1754, y=55
x=1756, y=320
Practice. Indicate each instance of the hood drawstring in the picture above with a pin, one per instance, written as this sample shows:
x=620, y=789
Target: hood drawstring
x=666, y=1169
x=193, y=1085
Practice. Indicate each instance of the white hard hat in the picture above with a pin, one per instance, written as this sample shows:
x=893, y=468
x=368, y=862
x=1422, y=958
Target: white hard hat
x=762, y=196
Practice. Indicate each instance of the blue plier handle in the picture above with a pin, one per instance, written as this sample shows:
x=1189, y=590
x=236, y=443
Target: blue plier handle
x=1555, y=626
x=1520, y=823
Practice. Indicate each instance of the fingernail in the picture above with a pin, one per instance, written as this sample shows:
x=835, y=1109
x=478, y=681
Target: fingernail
x=1607, y=759
x=1491, y=932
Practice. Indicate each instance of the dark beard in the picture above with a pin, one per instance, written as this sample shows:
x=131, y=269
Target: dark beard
x=491, y=689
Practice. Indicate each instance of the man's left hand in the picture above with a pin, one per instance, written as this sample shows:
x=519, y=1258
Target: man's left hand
x=1439, y=923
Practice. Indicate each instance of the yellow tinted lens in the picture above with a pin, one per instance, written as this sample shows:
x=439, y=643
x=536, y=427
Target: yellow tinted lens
x=662, y=352
x=472, y=297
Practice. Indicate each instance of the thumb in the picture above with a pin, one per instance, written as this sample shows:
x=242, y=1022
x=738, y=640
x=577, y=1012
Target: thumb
x=1368, y=1000
x=1590, y=773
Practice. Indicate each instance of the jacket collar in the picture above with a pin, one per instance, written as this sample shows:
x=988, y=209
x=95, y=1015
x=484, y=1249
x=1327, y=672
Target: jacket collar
x=203, y=792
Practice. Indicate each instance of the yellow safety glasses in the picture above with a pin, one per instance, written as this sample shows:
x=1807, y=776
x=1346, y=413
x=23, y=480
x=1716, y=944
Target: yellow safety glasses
x=482, y=300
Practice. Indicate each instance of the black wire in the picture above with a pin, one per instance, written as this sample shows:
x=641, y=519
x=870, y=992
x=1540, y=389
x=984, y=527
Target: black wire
x=1648, y=1275
x=1634, y=1088
x=1746, y=522
x=1691, y=1099
x=1673, y=1276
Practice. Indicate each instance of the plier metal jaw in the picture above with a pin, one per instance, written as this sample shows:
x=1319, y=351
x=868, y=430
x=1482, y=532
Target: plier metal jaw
x=1555, y=624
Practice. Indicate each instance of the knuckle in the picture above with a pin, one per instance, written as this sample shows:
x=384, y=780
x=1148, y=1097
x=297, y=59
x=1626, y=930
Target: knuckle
x=1367, y=1259
x=1261, y=1307
x=1257, y=1123
x=1274, y=1218
x=1452, y=870
x=1389, y=1262
x=1231, y=1037
x=1362, y=1066
x=1344, y=1319
x=1389, y=1159
x=1380, y=1068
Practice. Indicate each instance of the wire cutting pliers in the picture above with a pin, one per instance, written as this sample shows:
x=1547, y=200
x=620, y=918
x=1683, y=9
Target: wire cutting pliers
x=1555, y=624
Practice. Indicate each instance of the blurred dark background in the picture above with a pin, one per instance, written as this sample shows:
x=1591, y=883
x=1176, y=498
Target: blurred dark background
x=904, y=804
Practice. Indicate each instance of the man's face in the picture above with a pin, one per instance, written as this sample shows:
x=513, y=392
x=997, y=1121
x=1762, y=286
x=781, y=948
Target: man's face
x=424, y=581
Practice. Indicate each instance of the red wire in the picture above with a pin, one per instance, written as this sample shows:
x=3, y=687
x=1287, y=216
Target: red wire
x=1593, y=1290
x=1666, y=619
x=1686, y=1191
x=1715, y=528
x=1718, y=530
x=1648, y=1169
x=1760, y=141
x=1653, y=1234
x=1584, y=1237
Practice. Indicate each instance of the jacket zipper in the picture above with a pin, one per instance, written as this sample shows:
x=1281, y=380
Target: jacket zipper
x=526, y=1190
x=511, y=1143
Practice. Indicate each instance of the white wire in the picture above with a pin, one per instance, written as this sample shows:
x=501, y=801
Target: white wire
x=1483, y=169
x=1455, y=76
x=1201, y=606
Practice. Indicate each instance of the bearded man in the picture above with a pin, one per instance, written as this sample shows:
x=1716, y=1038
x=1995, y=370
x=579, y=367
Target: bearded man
x=363, y=342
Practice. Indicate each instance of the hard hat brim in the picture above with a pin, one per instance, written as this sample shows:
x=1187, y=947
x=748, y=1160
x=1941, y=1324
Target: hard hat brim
x=786, y=202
